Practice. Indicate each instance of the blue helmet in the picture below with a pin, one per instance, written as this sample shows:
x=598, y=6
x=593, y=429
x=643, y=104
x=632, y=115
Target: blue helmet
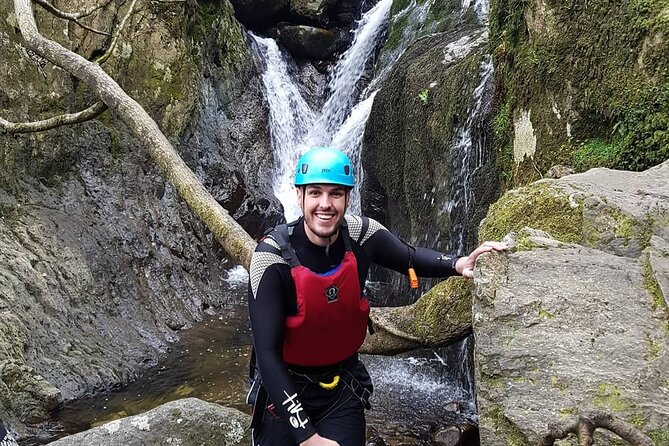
x=324, y=165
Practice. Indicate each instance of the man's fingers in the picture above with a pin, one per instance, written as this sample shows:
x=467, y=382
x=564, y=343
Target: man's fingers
x=497, y=246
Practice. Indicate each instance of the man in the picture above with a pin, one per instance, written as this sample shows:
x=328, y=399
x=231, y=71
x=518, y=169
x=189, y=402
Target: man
x=309, y=315
x=6, y=438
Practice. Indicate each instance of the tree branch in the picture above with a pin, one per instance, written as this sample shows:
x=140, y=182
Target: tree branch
x=117, y=34
x=57, y=121
x=234, y=240
x=73, y=17
x=586, y=424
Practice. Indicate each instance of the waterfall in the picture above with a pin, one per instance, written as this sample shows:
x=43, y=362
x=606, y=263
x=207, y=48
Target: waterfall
x=468, y=157
x=295, y=127
x=349, y=138
x=290, y=119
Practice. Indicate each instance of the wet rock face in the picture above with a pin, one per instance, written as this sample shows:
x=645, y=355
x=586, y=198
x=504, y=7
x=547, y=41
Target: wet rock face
x=101, y=262
x=186, y=422
x=308, y=42
x=257, y=14
x=311, y=9
x=409, y=153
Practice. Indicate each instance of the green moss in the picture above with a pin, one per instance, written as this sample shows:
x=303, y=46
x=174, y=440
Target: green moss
x=610, y=396
x=539, y=206
x=625, y=227
x=653, y=287
x=445, y=305
x=505, y=428
x=659, y=436
x=493, y=382
x=637, y=420
x=600, y=68
x=557, y=384
x=398, y=5
x=569, y=410
x=397, y=30
x=545, y=314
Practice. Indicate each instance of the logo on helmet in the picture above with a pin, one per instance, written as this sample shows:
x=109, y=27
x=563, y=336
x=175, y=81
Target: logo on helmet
x=305, y=167
x=332, y=293
x=347, y=170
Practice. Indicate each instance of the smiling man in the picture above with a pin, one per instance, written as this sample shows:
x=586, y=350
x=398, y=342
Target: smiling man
x=309, y=315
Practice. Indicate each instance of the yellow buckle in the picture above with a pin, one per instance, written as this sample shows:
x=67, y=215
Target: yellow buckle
x=331, y=385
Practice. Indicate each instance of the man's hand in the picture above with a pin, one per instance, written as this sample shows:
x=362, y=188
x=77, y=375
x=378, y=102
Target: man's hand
x=465, y=265
x=317, y=440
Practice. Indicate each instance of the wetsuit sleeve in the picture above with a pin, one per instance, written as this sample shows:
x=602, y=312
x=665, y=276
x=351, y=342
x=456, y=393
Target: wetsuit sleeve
x=267, y=311
x=387, y=250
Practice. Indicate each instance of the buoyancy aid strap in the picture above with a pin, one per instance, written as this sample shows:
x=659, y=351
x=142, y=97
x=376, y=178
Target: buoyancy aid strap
x=343, y=231
x=282, y=235
x=363, y=230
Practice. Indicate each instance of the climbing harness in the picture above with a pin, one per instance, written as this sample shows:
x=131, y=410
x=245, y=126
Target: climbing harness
x=330, y=385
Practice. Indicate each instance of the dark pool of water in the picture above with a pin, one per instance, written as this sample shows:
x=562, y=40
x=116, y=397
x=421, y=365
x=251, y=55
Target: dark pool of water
x=413, y=396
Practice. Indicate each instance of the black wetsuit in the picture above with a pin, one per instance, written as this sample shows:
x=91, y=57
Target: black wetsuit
x=5, y=438
x=335, y=414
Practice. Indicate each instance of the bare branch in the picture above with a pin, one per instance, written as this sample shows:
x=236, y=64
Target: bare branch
x=586, y=424
x=94, y=9
x=117, y=34
x=234, y=240
x=57, y=121
x=74, y=17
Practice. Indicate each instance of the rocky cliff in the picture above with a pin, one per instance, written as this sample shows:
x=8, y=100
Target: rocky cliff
x=102, y=263
x=583, y=84
x=427, y=156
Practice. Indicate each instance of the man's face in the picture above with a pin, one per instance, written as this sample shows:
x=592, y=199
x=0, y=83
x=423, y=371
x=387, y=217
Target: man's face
x=323, y=207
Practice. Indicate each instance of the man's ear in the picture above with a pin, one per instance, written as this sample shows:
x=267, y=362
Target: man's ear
x=299, y=192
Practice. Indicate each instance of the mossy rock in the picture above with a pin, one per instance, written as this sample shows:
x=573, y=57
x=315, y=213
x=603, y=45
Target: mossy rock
x=595, y=78
x=440, y=317
x=539, y=206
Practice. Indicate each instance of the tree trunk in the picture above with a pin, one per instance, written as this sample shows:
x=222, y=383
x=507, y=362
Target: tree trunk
x=236, y=242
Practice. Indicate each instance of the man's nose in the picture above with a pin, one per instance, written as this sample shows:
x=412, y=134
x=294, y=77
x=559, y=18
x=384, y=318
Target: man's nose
x=325, y=201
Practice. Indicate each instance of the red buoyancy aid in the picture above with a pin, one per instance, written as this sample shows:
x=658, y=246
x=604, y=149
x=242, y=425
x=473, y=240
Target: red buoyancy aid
x=332, y=313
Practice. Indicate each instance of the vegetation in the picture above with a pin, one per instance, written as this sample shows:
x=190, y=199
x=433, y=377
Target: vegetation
x=595, y=77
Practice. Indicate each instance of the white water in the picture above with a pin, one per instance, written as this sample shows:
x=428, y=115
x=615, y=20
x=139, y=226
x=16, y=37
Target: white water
x=481, y=8
x=468, y=157
x=295, y=127
x=290, y=120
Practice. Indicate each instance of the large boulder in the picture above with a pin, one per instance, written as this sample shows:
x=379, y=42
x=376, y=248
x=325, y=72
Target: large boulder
x=314, y=10
x=186, y=422
x=308, y=41
x=575, y=319
x=257, y=14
